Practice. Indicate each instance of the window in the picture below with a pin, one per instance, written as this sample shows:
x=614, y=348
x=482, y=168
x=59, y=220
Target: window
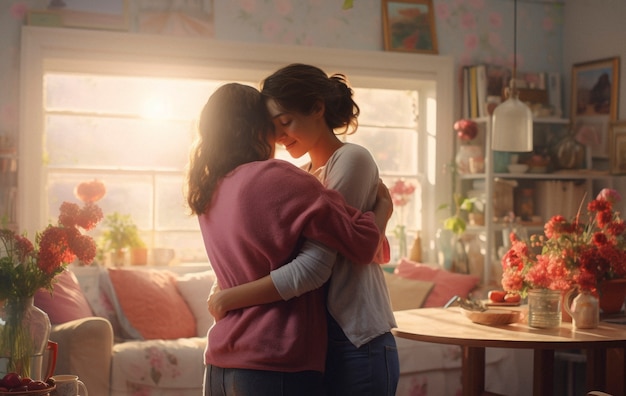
x=123, y=111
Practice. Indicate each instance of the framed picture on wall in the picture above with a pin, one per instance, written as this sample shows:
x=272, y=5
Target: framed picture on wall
x=409, y=26
x=618, y=147
x=91, y=14
x=595, y=96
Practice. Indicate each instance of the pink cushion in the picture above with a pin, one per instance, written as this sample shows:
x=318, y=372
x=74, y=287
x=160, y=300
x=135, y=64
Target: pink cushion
x=67, y=301
x=447, y=284
x=152, y=304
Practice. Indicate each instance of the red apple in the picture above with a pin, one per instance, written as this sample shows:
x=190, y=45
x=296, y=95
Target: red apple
x=11, y=380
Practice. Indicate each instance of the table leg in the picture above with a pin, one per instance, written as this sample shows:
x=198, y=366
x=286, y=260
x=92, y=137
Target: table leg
x=616, y=369
x=473, y=371
x=543, y=372
x=596, y=364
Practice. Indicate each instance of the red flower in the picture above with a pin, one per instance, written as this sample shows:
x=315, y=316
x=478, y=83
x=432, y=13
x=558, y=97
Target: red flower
x=570, y=253
x=25, y=268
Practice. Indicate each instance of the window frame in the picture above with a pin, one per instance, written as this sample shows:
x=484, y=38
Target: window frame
x=84, y=51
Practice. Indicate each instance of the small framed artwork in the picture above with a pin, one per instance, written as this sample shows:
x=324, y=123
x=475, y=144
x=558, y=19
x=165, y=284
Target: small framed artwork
x=409, y=26
x=93, y=14
x=595, y=97
x=618, y=147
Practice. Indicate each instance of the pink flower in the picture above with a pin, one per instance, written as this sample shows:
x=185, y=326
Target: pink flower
x=495, y=19
x=401, y=192
x=468, y=21
x=610, y=195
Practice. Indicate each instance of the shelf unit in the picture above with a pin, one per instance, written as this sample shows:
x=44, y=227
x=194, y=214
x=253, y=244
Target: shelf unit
x=491, y=227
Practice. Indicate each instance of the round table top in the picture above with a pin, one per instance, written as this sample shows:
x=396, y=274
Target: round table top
x=449, y=326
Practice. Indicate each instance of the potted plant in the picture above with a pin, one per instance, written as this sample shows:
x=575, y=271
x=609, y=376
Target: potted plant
x=121, y=235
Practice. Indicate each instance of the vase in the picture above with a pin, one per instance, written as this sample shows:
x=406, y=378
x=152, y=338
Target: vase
x=446, y=242
x=544, y=308
x=24, y=332
x=463, y=156
x=416, y=250
x=584, y=309
x=400, y=234
x=612, y=295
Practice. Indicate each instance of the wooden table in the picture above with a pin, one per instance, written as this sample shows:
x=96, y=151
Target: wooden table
x=605, y=347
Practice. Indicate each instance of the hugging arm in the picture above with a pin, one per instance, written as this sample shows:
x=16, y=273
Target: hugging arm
x=308, y=271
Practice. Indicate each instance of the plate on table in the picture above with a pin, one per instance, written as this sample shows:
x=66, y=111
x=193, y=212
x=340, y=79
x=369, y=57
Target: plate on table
x=493, y=316
x=502, y=304
x=40, y=392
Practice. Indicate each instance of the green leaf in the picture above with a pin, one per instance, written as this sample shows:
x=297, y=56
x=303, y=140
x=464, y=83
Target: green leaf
x=347, y=4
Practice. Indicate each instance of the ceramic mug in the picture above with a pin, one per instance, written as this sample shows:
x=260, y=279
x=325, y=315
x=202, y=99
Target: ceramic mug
x=163, y=256
x=68, y=385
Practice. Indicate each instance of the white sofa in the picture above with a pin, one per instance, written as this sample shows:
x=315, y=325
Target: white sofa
x=95, y=348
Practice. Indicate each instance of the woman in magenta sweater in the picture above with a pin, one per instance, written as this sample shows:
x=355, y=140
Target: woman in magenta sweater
x=253, y=209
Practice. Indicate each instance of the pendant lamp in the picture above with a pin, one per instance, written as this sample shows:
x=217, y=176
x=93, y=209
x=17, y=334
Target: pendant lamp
x=512, y=123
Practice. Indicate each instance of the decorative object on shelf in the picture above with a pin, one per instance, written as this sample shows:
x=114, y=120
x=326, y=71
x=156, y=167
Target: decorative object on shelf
x=121, y=233
x=570, y=153
x=584, y=309
x=517, y=168
x=544, y=308
x=617, y=139
x=572, y=254
x=612, y=295
x=469, y=157
x=512, y=120
x=401, y=193
x=26, y=268
x=525, y=204
x=464, y=155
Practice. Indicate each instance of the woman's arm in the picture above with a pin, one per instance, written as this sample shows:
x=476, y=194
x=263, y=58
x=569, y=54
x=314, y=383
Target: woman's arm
x=308, y=271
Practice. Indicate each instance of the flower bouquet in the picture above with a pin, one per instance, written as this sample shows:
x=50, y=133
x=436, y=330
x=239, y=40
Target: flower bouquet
x=579, y=253
x=401, y=193
x=26, y=267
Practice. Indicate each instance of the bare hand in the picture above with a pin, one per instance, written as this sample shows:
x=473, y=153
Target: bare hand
x=384, y=203
x=214, y=304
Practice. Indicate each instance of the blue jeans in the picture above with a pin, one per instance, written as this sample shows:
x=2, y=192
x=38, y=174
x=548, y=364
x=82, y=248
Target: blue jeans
x=371, y=370
x=243, y=382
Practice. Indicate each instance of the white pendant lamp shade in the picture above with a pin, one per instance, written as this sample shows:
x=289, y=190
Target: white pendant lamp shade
x=512, y=123
x=512, y=128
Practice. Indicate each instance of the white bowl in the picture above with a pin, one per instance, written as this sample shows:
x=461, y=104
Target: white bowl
x=517, y=168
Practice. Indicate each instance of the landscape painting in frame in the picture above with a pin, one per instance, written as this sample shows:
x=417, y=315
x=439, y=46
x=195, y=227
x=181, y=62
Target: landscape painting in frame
x=595, y=96
x=409, y=26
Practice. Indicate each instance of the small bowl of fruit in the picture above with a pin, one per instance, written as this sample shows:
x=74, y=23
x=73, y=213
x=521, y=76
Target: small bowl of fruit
x=13, y=384
x=503, y=298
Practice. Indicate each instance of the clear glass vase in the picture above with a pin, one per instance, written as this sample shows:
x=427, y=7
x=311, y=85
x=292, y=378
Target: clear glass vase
x=24, y=332
x=544, y=308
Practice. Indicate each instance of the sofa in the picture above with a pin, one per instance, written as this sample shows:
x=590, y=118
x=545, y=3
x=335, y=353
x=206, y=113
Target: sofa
x=141, y=330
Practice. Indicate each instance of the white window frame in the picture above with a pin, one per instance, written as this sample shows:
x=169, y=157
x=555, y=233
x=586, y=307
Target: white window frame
x=86, y=51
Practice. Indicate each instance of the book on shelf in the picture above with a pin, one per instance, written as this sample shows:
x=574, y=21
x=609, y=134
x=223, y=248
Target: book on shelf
x=554, y=93
x=484, y=87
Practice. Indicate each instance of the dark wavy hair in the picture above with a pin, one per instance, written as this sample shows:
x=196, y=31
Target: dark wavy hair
x=299, y=88
x=234, y=129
